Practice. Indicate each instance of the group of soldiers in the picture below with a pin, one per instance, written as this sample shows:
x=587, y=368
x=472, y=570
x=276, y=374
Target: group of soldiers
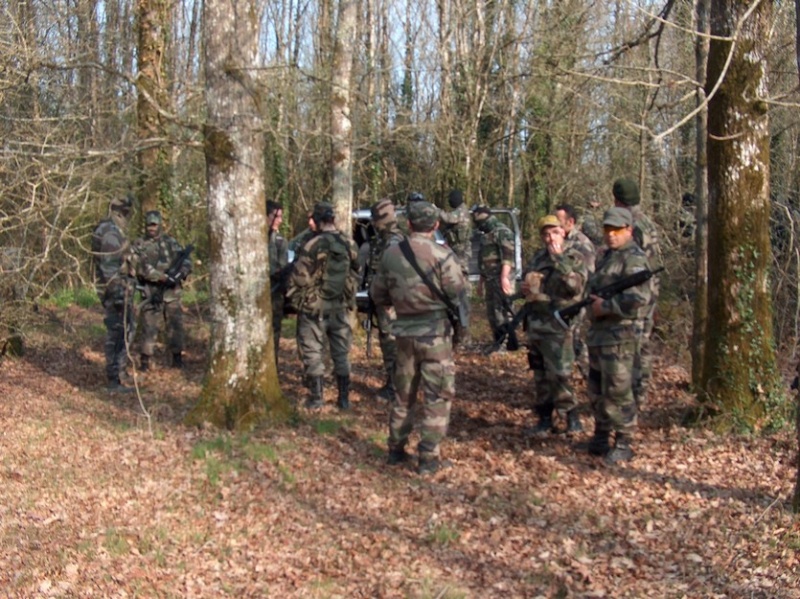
x=155, y=264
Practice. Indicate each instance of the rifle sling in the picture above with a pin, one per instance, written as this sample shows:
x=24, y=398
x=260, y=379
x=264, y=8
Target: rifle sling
x=405, y=247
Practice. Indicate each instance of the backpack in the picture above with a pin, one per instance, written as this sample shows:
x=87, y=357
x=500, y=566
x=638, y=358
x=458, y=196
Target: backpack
x=337, y=266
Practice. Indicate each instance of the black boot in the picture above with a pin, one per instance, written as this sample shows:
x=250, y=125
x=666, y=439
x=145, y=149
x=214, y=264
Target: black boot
x=598, y=444
x=545, y=425
x=621, y=451
x=314, y=401
x=387, y=391
x=177, y=360
x=432, y=465
x=115, y=385
x=343, y=384
x=144, y=362
x=397, y=456
x=573, y=422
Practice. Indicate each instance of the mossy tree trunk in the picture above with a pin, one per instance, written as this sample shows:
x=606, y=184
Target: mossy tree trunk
x=740, y=376
x=241, y=387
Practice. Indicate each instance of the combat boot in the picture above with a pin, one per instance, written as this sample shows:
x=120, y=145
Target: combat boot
x=574, y=422
x=115, y=385
x=397, y=456
x=545, y=425
x=343, y=384
x=621, y=452
x=314, y=401
x=177, y=360
x=432, y=465
x=598, y=444
x=144, y=363
x=387, y=391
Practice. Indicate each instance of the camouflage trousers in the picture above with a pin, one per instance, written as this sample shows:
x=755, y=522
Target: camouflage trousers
x=425, y=362
x=643, y=363
x=312, y=331
x=496, y=313
x=610, y=386
x=551, y=359
x=387, y=341
x=169, y=312
x=119, y=323
x=277, y=320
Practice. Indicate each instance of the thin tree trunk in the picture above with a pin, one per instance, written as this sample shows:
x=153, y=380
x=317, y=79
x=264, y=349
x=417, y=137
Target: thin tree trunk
x=241, y=386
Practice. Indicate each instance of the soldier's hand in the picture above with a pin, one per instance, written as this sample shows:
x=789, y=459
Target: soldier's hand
x=506, y=286
x=597, y=306
x=555, y=248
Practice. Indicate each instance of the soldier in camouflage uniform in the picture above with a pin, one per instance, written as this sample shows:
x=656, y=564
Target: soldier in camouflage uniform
x=554, y=278
x=575, y=238
x=424, y=336
x=304, y=236
x=626, y=195
x=613, y=338
x=151, y=257
x=495, y=261
x=278, y=263
x=457, y=229
x=322, y=289
x=388, y=233
x=114, y=287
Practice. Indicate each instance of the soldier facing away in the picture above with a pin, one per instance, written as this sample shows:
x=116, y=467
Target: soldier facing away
x=151, y=257
x=645, y=234
x=114, y=287
x=613, y=338
x=554, y=278
x=424, y=336
x=388, y=233
x=322, y=289
x=278, y=263
x=496, y=261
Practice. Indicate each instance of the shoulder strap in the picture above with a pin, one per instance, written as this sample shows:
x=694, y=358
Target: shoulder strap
x=405, y=247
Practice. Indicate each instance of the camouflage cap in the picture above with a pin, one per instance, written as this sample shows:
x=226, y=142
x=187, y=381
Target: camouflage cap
x=423, y=216
x=123, y=205
x=548, y=221
x=153, y=217
x=617, y=217
x=323, y=213
x=626, y=191
x=383, y=213
x=481, y=213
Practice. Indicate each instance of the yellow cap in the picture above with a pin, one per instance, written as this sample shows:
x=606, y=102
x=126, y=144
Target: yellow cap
x=548, y=221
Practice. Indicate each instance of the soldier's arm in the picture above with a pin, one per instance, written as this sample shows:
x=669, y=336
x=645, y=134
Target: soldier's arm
x=452, y=278
x=379, y=289
x=305, y=266
x=628, y=303
x=448, y=218
x=573, y=274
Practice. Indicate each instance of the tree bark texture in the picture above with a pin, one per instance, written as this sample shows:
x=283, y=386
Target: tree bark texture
x=341, y=126
x=740, y=374
x=241, y=386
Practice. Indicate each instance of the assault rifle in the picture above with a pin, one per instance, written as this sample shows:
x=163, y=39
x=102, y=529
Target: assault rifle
x=565, y=315
x=508, y=330
x=174, y=276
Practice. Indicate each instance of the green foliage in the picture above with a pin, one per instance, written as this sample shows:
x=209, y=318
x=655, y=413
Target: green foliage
x=327, y=427
x=442, y=534
x=115, y=543
x=83, y=296
x=227, y=453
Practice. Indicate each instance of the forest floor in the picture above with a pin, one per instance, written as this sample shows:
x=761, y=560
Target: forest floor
x=110, y=495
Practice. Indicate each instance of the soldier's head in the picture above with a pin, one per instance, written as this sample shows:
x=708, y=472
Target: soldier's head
x=383, y=214
x=550, y=229
x=626, y=192
x=423, y=217
x=152, y=223
x=566, y=216
x=455, y=199
x=414, y=196
x=121, y=206
x=482, y=217
x=274, y=215
x=617, y=227
x=323, y=214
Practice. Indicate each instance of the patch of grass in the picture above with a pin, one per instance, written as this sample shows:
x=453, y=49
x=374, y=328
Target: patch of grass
x=115, y=543
x=215, y=469
x=289, y=328
x=191, y=296
x=84, y=297
x=219, y=445
x=326, y=427
x=443, y=534
x=258, y=452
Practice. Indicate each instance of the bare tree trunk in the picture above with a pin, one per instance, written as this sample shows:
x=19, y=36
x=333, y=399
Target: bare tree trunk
x=740, y=374
x=341, y=126
x=700, y=314
x=241, y=386
x=154, y=27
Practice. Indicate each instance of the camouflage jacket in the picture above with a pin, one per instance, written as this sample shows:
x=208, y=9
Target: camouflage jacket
x=278, y=253
x=150, y=259
x=496, y=249
x=645, y=234
x=625, y=309
x=378, y=244
x=577, y=240
x=301, y=239
x=109, y=248
x=419, y=312
x=564, y=279
x=457, y=229
x=326, y=265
